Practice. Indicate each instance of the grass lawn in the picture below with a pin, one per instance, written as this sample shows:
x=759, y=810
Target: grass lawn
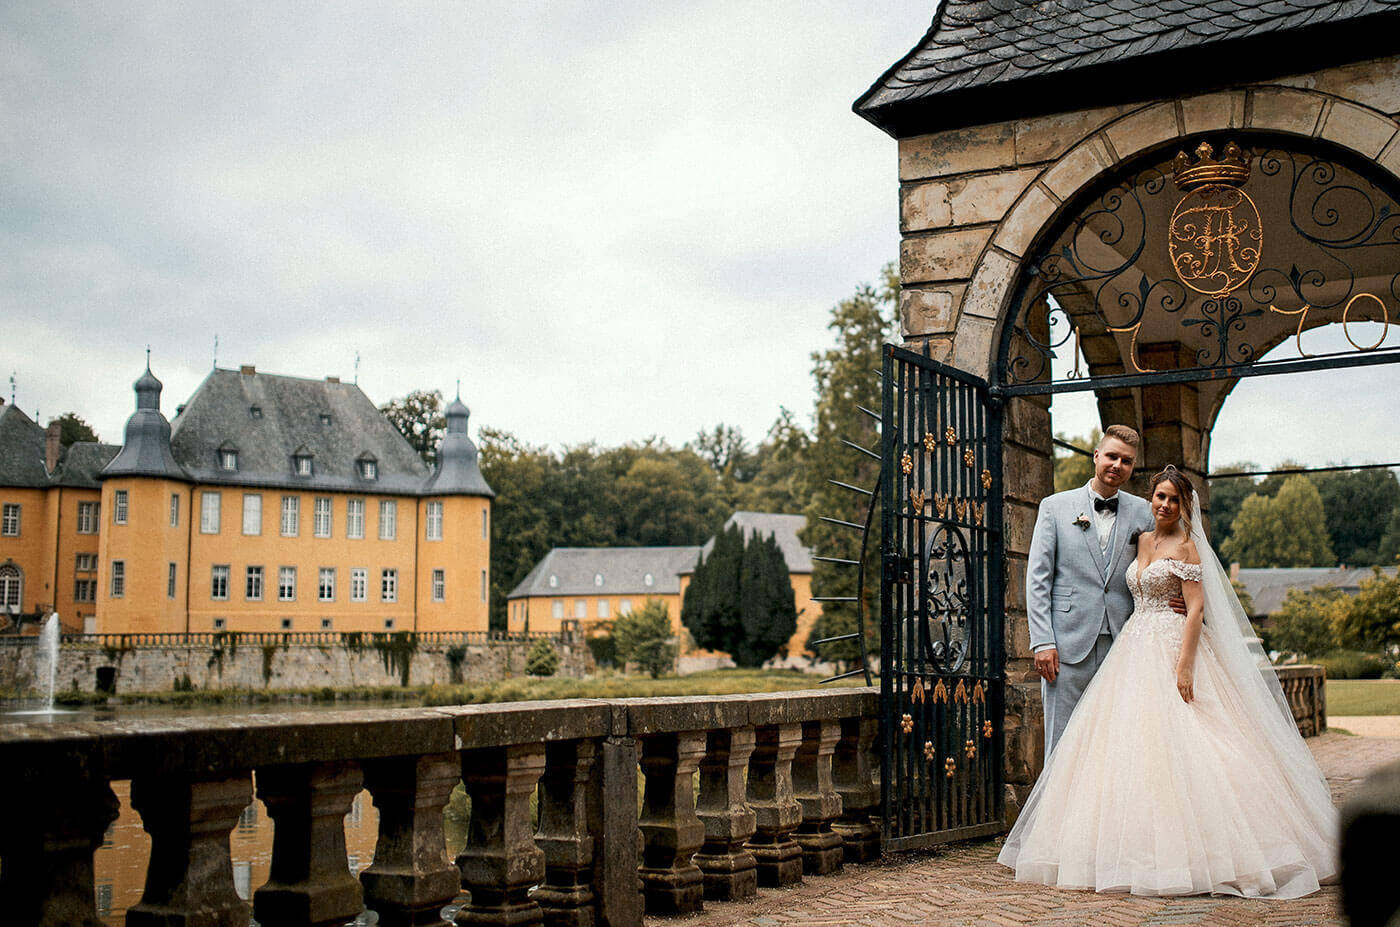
x=1363, y=697
x=711, y=682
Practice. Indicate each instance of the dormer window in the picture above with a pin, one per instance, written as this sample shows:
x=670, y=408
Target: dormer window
x=597, y=579
x=255, y=411
x=301, y=464
x=649, y=579
x=368, y=468
x=228, y=457
x=553, y=581
x=326, y=419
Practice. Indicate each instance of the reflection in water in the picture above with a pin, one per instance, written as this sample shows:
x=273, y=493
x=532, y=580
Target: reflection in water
x=120, y=863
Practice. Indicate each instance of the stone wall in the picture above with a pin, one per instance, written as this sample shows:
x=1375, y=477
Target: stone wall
x=271, y=662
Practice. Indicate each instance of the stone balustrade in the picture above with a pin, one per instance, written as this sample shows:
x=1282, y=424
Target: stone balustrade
x=785, y=788
x=1305, y=687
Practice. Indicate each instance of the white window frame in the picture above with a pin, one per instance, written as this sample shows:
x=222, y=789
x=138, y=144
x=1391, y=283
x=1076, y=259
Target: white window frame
x=355, y=518
x=253, y=579
x=252, y=513
x=556, y=609
x=170, y=580
x=89, y=517
x=485, y=589
x=174, y=510
x=580, y=609
x=486, y=521
x=325, y=584
x=219, y=579
x=9, y=522
x=439, y=585
x=302, y=465
x=117, y=587
x=321, y=510
x=388, y=585
x=604, y=609
x=369, y=469
x=290, y=522
x=228, y=460
x=119, y=507
x=624, y=607
x=359, y=584
x=432, y=521
x=209, y=505
x=286, y=584
x=388, y=519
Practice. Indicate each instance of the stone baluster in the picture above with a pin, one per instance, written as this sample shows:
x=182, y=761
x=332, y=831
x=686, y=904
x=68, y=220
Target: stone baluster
x=189, y=878
x=776, y=809
x=565, y=833
x=852, y=773
x=671, y=882
x=46, y=847
x=501, y=863
x=309, y=882
x=616, y=883
x=729, y=869
x=412, y=877
x=814, y=791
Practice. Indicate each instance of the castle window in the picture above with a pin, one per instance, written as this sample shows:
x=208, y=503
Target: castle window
x=219, y=625
x=255, y=411
x=208, y=512
x=291, y=516
x=119, y=498
x=252, y=513
x=286, y=584
x=10, y=527
x=359, y=584
x=326, y=624
x=88, y=514
x=325, y=419
x=433, y=521
x=580, y=608
x=301, y=465
x=649, y=579
x=603, y=609
x=556, y=610
x=321, y=516
x=118, y=585
x=228, y=459
x=354, y=518
x=624, y=607
x=325, y=586
x=388, y=519
x=12, y=584
x=597, y=579
x=439, y=585
x=218, y=582
x=389, y=585
x=170, y=582
x=368, y=468
x=553, y=581
x=253, y=586
x=174, y=510
x=286, y=624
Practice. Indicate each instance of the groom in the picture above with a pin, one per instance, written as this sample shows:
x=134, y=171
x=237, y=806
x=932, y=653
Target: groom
x=1077, y=597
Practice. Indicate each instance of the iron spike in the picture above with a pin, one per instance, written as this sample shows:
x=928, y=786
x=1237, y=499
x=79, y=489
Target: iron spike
x=864, y=450
x=839, y=637
x=843, y=524
x=840, y=560
x=863, y=492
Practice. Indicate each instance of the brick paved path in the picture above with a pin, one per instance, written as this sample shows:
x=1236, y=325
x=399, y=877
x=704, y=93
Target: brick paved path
x=963, y=885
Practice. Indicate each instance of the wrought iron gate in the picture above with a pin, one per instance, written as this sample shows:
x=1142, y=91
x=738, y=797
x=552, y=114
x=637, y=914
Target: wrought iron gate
x=942, y=666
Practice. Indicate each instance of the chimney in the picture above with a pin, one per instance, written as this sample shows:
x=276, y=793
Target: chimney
x=53, y=445
x=332, y=379
x=247, y=370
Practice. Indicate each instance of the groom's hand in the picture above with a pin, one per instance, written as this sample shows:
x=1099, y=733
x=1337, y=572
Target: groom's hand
x=1047, y=664
x=1178, y=604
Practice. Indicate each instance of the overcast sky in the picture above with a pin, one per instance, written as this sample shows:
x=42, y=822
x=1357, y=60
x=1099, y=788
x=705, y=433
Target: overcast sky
x=608, y=220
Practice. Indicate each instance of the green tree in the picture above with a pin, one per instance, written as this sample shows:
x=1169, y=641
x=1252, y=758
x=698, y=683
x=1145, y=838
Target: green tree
x=1359, y=504
x=73, y=429
x=668, y=498
x=1286, y=531
x=740, y=599
x=847, y=378
x=644, y=638
x=543, y=659
x=1227, y=494
x=778, y=470
x=1305, y=624
x=1389, y=548
x=1073, y=470
x=1372, y=619
x=419, y=418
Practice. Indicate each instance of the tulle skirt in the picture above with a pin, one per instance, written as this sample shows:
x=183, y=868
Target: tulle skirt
x=1147, y=794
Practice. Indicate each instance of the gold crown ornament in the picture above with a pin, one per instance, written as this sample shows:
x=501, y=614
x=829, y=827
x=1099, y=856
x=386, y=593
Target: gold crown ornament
x=1232, y=170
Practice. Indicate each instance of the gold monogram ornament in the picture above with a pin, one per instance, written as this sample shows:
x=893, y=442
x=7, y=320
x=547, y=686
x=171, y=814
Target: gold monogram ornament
x=1216, y=237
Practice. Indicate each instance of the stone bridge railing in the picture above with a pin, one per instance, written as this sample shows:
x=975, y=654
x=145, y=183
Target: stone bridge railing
x=786, y=787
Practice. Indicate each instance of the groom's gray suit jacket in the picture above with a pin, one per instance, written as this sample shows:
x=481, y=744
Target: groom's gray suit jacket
x=1074, y=591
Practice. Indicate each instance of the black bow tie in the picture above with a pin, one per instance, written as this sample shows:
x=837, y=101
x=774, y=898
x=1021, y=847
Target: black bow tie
x=1106, y=505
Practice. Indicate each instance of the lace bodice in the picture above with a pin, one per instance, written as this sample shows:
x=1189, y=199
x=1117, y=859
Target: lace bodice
x=1152, y=592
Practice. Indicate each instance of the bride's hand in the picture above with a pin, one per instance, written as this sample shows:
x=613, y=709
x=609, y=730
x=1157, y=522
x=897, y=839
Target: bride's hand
x=1184, y=684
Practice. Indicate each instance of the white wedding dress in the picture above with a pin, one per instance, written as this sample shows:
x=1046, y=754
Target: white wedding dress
x=1147, y=794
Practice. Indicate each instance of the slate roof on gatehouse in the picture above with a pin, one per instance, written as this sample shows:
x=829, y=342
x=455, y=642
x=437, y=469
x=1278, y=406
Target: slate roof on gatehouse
x=576, y=571
x=986, y=61
x=21, y=450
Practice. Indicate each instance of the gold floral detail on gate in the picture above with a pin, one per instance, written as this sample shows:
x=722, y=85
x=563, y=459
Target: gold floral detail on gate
x=970, y=750
x=987, y=729
x=929, y=752
x=986, y=479
x=940, y=502
x=940, y=692
x=917, y=499
x=979, y=511
x=906, y=464
x=917, y=693
x=960, y=506
x=950, y=435
x=969, y=458
x=930, y=442
x=960, y=693
x=907, y=724
x=950, y=766
x=979, y=695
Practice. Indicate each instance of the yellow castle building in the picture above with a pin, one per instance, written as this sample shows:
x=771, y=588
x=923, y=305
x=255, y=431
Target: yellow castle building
x=270, y=503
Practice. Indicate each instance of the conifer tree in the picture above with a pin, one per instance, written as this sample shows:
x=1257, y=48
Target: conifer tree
x=740, y=599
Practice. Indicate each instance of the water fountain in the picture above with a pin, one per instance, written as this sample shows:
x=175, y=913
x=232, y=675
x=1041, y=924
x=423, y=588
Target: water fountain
x=46, y=666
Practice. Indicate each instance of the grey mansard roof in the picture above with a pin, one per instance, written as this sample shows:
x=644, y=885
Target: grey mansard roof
x=985, y=61
x=21, y=450
x=623, y=571
x=332, y=421
x=82, y=464
x=783, y=527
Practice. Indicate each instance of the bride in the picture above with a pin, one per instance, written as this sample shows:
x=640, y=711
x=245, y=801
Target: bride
x=1181, y=771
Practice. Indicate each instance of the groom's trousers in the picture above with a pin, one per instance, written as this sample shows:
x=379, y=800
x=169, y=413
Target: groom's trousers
x=1063, y=694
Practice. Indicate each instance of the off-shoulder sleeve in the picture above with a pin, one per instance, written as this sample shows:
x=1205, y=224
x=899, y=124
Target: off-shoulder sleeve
x=1190, y=572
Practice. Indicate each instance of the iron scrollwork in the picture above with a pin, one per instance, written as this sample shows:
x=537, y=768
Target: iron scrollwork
x=946, y=605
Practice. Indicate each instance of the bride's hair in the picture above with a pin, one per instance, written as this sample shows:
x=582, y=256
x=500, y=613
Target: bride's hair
x=1184, y=489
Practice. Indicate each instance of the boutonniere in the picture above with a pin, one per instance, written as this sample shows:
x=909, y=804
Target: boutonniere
x=1082, y=522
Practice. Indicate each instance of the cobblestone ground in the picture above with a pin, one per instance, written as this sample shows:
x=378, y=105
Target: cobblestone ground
x=963, y=885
